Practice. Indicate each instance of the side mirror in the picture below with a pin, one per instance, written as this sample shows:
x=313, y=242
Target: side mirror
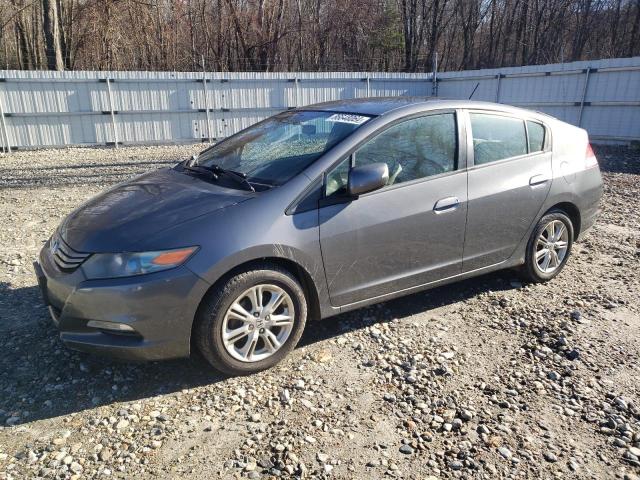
x=367, y=178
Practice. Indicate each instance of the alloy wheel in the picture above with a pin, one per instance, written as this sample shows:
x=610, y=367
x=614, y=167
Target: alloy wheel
x=551, y=246
x=258, y=323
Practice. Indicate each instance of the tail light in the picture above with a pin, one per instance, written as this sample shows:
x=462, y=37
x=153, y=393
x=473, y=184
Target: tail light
x=590, y=160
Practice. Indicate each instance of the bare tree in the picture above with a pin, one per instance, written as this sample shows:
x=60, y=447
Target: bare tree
x=52, y=34
x=270, y=35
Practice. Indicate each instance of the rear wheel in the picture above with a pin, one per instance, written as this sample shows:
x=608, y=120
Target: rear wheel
x=252, y=321
x=548, y=248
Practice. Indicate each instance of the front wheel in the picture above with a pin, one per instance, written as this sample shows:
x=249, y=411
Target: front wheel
x=252, y=321
x=548, y=248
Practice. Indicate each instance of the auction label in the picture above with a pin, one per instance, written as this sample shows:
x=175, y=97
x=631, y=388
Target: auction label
x=347, y=118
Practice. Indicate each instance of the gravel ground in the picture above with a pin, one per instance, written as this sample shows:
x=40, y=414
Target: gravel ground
x=488, y=378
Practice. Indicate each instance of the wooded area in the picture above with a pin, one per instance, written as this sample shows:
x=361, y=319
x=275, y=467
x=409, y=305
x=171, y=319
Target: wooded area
x=312, y=35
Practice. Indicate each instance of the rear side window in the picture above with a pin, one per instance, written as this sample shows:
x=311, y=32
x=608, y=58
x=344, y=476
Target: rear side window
x=497, y=137
x=536, y=136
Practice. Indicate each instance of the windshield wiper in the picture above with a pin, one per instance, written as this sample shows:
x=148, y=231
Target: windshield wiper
x=239, y=177
x=201, y=170
x=214, y=172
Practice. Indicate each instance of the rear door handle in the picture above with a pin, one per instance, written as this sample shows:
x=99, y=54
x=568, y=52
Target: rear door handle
x=446, y=204
x=538, y=180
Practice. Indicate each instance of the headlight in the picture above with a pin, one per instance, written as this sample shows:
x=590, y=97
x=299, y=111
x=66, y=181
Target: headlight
x=112, y=265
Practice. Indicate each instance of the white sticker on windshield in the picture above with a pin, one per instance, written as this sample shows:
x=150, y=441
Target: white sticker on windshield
x=347, y=118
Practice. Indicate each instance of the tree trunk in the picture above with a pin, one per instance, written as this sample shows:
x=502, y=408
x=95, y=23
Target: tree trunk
x=24, y=52
x=633, y=46
x=51, y=27
x=65, y=20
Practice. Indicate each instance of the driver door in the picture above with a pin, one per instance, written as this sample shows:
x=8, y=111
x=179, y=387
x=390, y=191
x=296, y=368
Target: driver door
x=406, y=234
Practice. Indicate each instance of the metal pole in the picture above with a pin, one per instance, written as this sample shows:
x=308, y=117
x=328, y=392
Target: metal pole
x=206, y=99
x=113, y=115
x=498, y=88
x=4, y=128
x=584, y=94
x=297, y=92
x=368, y=87
x=434, y=82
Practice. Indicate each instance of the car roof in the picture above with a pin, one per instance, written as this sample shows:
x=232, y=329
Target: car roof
x=369, y=106
x=381, y=105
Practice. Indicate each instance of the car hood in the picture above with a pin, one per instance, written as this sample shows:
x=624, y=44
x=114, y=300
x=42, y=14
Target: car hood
x=118, y=219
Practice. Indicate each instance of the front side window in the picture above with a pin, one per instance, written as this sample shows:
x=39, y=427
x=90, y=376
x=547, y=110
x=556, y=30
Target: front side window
x=413, y=149
x=337, y=179
x=279, y=148
x=497, y=137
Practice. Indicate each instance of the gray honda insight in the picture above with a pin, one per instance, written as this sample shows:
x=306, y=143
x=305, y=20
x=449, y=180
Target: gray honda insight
x=314, y=212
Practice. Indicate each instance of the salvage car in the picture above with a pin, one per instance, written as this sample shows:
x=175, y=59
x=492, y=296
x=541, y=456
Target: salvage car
x=310, y=213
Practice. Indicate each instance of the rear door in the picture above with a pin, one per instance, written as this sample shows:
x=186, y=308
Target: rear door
x=406, y=234
x=509, y=179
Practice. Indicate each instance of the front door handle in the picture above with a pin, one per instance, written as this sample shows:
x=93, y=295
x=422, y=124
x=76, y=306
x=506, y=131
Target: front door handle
x=446, y=204
x=538, y=180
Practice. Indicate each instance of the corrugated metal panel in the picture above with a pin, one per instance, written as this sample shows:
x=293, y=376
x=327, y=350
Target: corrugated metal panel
x=464, y=88
x=74, y=108
x=548, y=89
x=612, y=122
x=227, y=123
x=614, y=86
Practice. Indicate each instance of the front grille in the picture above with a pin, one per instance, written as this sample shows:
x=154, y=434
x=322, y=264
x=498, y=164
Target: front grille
x=66, y=258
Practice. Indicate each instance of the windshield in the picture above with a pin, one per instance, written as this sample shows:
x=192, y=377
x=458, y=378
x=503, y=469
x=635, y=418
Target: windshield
x=273, y=151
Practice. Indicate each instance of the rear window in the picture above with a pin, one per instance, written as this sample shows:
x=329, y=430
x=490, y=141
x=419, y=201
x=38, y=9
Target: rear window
x=536, y=136
x=497, y=137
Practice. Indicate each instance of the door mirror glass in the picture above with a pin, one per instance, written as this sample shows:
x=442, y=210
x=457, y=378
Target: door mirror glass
x=367, y=178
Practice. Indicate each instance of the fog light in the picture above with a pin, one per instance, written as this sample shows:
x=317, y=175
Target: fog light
x=116, y=327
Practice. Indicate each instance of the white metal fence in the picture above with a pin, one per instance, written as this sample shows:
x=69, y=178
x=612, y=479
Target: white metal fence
x=52, y=109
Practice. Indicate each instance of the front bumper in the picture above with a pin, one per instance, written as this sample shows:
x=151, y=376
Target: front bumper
x=160, y=307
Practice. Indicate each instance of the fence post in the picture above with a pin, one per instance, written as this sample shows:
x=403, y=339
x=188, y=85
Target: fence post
x=206, y=97
x=4, y=128
x=498, y=88
x=113, y=113
x=368, y=86
x=206, y=105
x=587, y=71
x=434, y=86
x=434, y=78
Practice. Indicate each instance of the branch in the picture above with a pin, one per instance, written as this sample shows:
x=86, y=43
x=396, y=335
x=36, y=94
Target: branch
x=16, y=13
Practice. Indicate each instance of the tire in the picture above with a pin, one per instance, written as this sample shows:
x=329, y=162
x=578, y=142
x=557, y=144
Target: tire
x=270, y=280
x=533, y=268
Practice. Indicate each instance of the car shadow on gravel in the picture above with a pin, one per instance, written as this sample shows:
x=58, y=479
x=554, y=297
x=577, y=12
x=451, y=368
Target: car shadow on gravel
x=40, y=378
x=421, y=302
